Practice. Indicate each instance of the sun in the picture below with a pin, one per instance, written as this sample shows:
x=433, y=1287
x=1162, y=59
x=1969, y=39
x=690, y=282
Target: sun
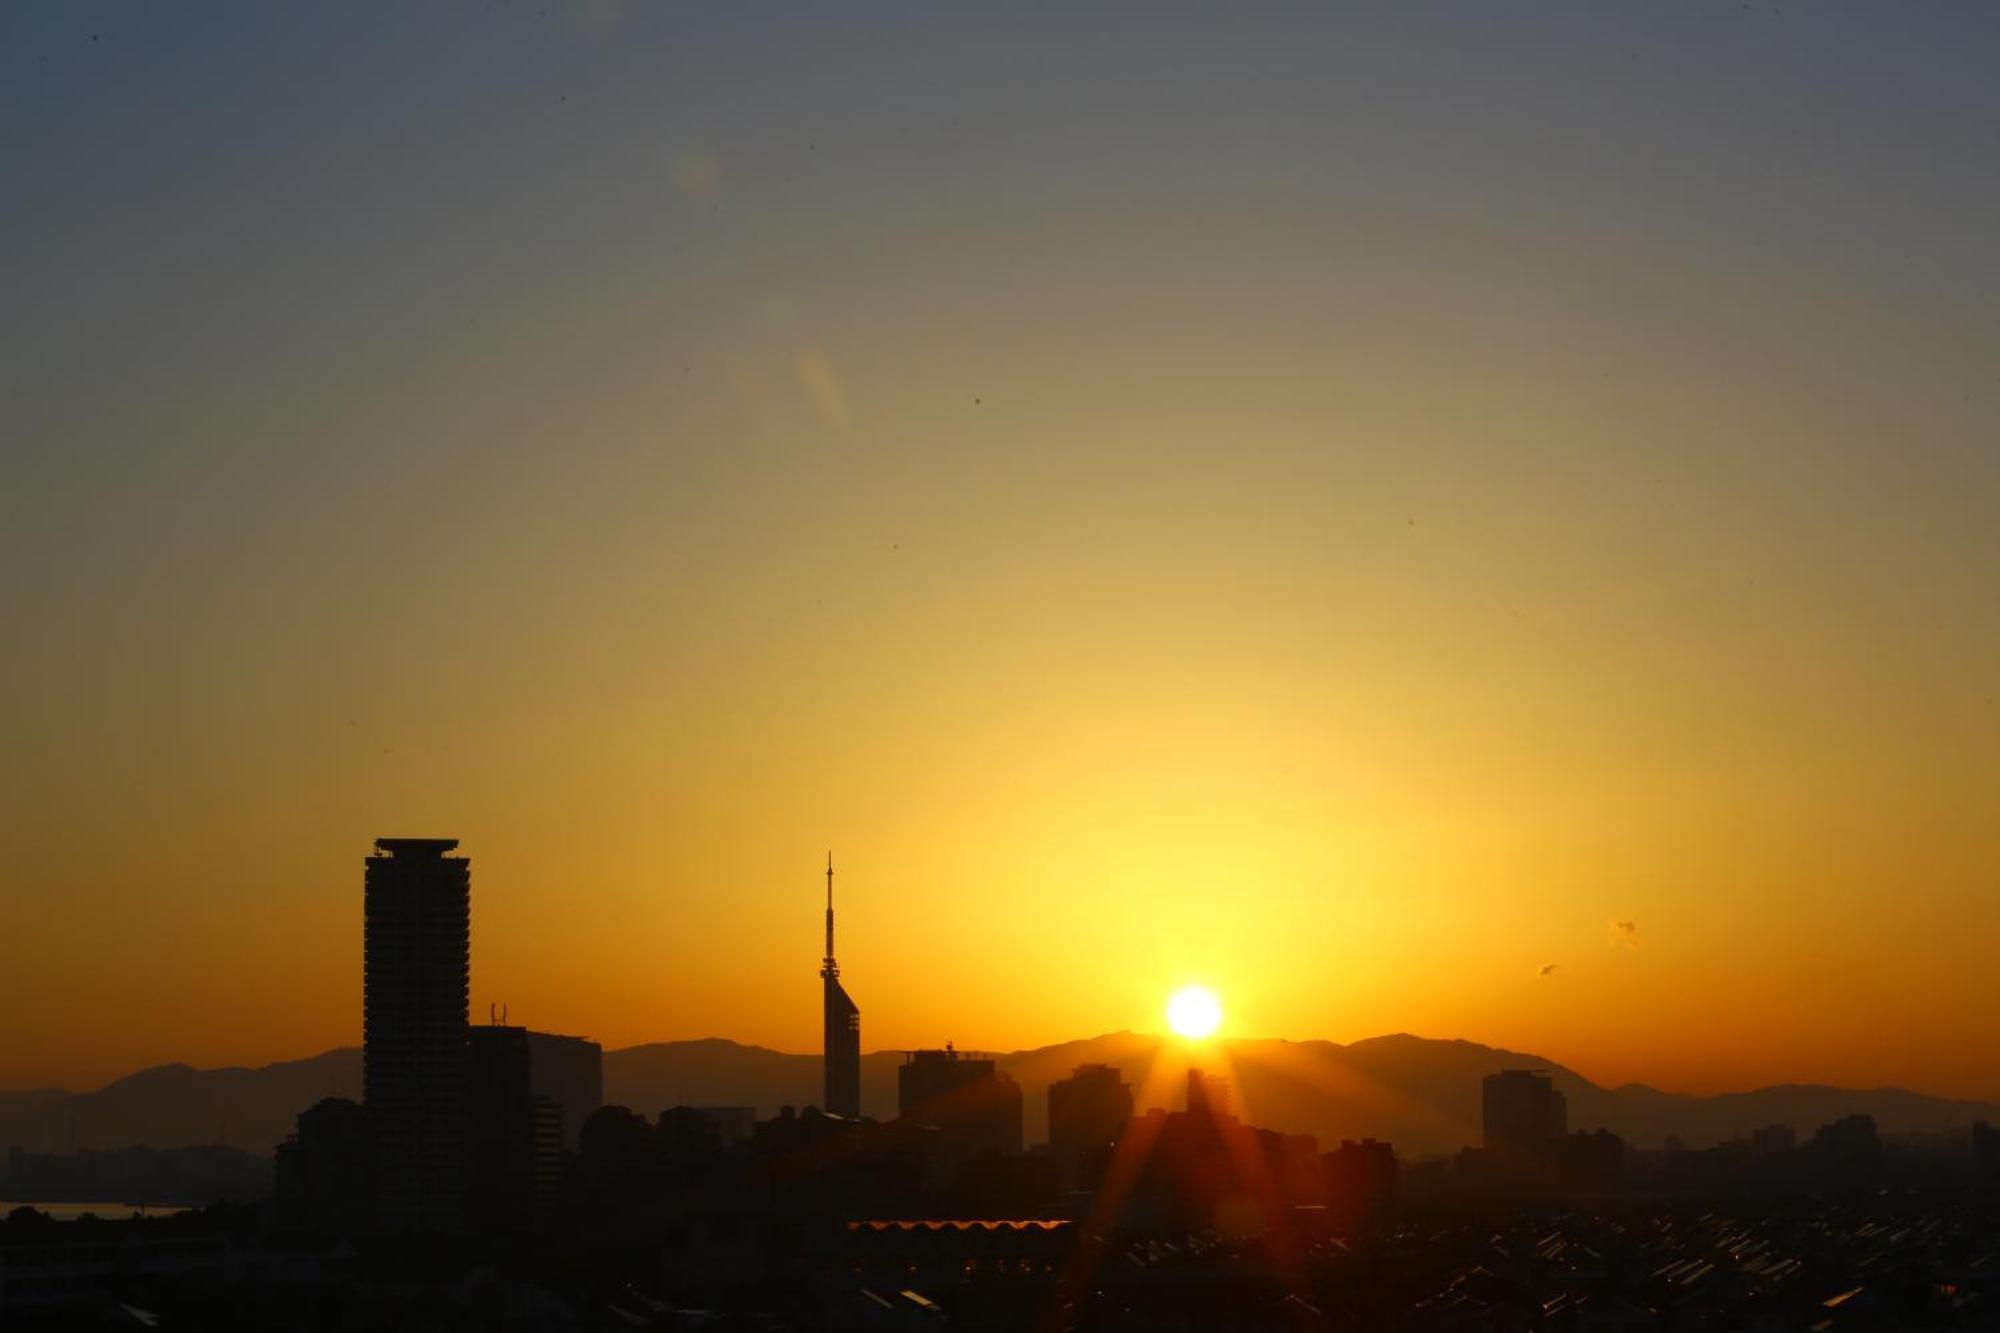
x=1194, y=1012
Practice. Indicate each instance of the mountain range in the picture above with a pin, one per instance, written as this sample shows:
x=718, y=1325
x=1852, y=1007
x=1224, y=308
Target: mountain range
x=1418, y=1093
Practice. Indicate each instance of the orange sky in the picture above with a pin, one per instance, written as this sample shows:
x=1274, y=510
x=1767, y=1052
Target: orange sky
x=1344, y=510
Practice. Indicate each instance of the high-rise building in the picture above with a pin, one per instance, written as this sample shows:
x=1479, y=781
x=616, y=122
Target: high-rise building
x=1087, y=1112
x=842, y=1059
x=568, y=1071
x=550, y=1156
x=530, y=1093
x=415, y=965
x=1521, y=1111
x=500, y=1130
x=975, y=1106
x=1207, y=1094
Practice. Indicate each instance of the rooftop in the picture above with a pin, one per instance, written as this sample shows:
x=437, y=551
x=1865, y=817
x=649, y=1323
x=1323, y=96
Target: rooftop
x=414, y=846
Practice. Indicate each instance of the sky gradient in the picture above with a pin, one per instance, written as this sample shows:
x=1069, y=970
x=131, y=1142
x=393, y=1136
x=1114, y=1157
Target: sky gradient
x=1342, y=506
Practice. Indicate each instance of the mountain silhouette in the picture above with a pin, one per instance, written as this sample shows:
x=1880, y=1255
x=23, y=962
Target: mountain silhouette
x=1419, y=1093
x=172, y=1106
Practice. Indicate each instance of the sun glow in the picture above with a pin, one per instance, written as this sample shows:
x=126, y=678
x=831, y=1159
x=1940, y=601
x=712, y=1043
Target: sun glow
x=1194, y=1012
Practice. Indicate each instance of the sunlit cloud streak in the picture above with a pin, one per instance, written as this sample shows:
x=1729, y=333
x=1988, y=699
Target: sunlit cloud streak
x=823, y=387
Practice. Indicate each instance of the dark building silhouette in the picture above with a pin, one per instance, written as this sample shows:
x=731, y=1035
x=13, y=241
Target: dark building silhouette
x=973, y=1105
x=569, y=1072
x=1985, y=1145
x=1203, y=1168
x=517, y=1133
x=500, y=1130
x=1588, y=1164
x=325, y=1178
x=1528, y=1151
x=416, y=960
x=1521, y=1111
x=1087, y=1112
x=1360, y=1181
x=1848, y=1151
x=552, y=1156
x=733, y=1124
x=1207, y=1094
x=792, y=1135
x=842, y=1047
x=1772, y=1141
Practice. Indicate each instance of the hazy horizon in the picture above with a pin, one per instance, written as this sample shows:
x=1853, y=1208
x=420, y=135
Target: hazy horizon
x=1184, y=1052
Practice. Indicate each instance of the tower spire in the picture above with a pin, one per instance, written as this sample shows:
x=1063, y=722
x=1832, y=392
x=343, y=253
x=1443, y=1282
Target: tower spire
x=842, y=1064
x=829, y=969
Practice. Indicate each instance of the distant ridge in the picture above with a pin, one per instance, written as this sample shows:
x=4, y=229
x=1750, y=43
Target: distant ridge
x=1420, y=1093
x=173, y=1106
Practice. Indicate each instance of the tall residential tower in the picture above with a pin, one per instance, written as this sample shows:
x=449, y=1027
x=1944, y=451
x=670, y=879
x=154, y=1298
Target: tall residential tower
x=843, y=1027
x=415, y=975
x=1521, y=1111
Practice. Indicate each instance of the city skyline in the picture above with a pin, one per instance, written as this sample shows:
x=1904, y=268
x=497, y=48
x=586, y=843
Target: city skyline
x=1415, y=518
x=1158, y=1026
x=402, y=925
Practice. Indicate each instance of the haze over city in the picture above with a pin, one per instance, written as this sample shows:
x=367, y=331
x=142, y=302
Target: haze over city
x=1415, y=519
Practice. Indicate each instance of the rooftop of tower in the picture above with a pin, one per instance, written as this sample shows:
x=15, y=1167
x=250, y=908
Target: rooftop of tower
x=414, y=846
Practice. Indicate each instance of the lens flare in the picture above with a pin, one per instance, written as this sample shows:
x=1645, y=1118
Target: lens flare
x=1194, y=1012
